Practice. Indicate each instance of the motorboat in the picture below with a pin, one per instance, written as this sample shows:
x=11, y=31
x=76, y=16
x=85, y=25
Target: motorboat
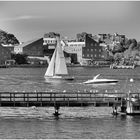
x=100, y=81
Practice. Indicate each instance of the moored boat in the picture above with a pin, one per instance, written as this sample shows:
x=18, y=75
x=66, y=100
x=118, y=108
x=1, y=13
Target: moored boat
x=132, y=105
x=122, y=66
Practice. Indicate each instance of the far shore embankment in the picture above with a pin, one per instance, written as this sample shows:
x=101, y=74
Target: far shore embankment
x=43, y=66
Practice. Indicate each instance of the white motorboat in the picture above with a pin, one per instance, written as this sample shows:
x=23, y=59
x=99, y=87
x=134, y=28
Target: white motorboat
x=100, y=81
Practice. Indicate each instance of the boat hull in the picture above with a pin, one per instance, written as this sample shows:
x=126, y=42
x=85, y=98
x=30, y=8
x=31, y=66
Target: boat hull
x=101, y=82
x=60, y=77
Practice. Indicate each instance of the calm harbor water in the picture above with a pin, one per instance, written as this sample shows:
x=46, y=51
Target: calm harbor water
x=85, y=122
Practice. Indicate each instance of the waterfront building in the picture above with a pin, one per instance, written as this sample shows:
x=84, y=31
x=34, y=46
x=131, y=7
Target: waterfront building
x=49, y=43
x=93, y=51
x=9, y=46
x=30, y=48
x=5, y=55
x=73, y=48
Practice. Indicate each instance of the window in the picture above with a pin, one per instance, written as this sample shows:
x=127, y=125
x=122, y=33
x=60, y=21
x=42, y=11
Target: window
x=95, y=55
x=92, y=50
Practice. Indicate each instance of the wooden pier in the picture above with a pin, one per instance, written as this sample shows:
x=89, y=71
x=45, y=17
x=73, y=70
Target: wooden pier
x=44, y=99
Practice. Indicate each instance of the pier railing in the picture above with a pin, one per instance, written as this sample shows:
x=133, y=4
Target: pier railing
x=42, y=99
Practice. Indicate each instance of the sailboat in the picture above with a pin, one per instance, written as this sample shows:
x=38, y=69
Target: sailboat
x=57, y=68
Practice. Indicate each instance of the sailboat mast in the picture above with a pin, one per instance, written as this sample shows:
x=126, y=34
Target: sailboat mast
x=55, y=61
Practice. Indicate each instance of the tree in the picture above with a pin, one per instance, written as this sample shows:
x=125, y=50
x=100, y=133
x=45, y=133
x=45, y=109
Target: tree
x=6, y=38
x=127, y=43
x=138, y=46
x=118, y=48
x=133, y=44
x=19, y=58
x=118, y=57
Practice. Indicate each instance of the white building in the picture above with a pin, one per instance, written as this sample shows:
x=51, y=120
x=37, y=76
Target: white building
x=73, y=48
x=51, y=42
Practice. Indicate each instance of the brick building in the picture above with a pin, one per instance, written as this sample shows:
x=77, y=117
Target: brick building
x=93, y=50
x=5, y=54
x=31, y=48
x=10, y=47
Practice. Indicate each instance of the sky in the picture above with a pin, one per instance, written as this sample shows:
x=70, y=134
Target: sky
x=28, y=20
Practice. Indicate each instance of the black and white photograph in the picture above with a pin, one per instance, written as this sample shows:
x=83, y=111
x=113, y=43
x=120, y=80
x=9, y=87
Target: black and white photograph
x=69, y=69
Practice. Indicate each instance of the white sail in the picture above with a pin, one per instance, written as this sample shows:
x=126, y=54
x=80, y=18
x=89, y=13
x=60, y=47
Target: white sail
x=60, y=67
x=50, y=69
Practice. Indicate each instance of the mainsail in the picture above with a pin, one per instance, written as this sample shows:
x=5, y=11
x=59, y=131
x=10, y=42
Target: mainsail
x=50, y=69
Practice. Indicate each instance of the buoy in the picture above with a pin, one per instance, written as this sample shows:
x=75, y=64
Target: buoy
x=131, y=80
x=64, y=90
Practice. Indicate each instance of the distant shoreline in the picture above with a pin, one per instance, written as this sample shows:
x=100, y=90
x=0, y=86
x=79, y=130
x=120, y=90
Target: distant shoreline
x=45, y=66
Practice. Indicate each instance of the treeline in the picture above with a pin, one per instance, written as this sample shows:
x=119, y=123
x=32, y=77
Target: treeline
x=7, y=38
x=128, y=49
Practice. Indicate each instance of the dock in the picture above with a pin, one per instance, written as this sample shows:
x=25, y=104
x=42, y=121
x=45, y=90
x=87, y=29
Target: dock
x=68, y=99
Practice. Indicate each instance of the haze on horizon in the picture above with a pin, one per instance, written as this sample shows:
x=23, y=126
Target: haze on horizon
x=32, y=19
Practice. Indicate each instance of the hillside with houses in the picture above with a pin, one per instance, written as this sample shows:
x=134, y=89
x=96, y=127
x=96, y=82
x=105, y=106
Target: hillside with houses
x=85, y=49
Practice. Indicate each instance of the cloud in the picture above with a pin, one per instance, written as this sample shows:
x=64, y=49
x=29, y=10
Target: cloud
x=24, y=17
